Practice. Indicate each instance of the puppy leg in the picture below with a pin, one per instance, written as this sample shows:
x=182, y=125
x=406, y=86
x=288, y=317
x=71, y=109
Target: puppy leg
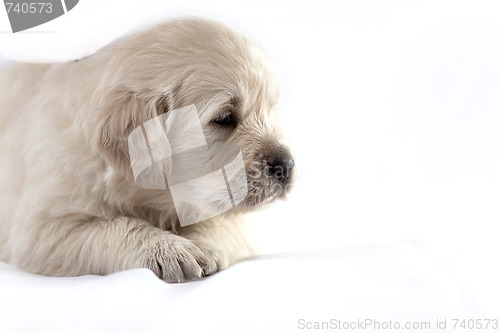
x=65, y=248
x=225, y=239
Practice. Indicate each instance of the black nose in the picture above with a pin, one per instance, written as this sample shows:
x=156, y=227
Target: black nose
x=281, y=167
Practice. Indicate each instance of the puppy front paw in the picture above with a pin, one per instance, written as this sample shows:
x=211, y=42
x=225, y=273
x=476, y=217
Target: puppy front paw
x=177, y=259
x=220, y=259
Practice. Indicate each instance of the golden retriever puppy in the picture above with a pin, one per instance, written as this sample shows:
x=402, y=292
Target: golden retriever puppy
x=69, y=202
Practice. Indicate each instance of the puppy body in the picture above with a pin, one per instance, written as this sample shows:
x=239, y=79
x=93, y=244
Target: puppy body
x=68, y=201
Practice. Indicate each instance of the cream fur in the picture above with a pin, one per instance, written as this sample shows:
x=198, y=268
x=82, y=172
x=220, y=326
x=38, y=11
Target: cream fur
x=68, y=202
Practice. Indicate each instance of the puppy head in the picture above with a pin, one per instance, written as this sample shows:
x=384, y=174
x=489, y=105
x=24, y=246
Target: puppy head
x=195, y=62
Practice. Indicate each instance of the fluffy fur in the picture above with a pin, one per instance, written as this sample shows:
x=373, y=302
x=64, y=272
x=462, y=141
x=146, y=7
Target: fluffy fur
x=68, y=201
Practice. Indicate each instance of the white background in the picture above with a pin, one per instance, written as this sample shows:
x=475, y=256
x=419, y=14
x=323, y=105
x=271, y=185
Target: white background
x=393, y=108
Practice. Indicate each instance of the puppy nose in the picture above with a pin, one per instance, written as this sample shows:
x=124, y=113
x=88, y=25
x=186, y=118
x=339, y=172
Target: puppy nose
x=281, y=167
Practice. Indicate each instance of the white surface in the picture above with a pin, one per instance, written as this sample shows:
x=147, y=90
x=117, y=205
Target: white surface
x=394, y=109
x=269, y=294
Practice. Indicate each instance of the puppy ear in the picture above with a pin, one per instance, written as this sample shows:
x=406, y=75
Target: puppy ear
x=124, y=111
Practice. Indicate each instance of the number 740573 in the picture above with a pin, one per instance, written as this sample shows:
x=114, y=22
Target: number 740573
x=32, y=8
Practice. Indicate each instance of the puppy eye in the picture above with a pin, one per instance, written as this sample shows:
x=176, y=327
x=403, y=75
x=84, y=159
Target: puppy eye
x=226, y=119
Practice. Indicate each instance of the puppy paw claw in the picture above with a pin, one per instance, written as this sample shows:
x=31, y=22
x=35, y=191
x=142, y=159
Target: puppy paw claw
x=178, y=259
